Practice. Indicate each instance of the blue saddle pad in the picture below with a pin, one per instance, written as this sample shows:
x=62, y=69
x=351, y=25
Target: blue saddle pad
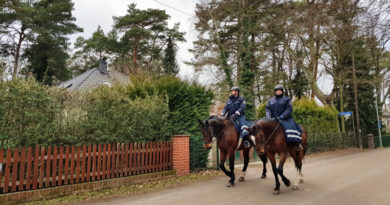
x=292, y=130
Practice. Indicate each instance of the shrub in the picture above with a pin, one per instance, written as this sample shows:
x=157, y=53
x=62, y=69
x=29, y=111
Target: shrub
x=28, y=113
x=187, y=102
x=111, y=116
x=198, y=154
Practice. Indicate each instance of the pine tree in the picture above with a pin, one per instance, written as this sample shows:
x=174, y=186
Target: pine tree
x=47, y=56
x=170, y=65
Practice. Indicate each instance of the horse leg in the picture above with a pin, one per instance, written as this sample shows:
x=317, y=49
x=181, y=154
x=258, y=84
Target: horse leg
x=275, y=171
x=282, y=160
x=231, y=167
x=222, y=164
x=246, y=162
x=298, y=165
x=264, y=159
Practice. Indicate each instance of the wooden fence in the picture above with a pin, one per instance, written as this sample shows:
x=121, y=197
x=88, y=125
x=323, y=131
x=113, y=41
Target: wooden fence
x=40, y=167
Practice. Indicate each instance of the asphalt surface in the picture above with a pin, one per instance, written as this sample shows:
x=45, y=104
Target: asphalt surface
x=353, y=178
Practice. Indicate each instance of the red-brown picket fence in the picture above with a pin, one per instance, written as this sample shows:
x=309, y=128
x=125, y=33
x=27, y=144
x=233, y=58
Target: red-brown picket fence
x=31, y=168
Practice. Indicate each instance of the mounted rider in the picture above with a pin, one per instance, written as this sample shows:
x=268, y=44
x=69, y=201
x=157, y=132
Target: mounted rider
x=279, y=107
x=235, y=109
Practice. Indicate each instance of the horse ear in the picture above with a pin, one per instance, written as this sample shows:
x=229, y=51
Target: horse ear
x=207, y=123
x=200, y=122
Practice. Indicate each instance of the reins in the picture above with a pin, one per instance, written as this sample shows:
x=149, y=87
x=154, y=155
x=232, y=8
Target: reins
x=273, y=132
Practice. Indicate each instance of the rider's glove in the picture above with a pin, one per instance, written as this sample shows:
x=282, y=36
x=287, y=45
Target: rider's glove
x=281, y=117
x=234, y=116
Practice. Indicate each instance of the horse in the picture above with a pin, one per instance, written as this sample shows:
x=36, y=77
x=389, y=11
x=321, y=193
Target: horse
x=227, y=136
x=270, y=139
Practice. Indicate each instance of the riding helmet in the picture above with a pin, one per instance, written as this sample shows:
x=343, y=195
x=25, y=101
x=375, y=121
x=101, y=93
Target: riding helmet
x=235, y=88
x=278, y=87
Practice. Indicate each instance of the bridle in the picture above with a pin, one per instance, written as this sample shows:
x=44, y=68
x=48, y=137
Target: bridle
x=210, y=131
x=212, y=135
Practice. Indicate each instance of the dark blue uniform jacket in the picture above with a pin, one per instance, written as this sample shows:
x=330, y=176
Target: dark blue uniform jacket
x=279, y=107
x=235, y=105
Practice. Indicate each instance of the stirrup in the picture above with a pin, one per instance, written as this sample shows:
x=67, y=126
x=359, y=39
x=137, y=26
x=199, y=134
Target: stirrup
x=247, y=143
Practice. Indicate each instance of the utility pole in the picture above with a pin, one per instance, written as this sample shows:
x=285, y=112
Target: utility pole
x=356, y=102
x=377, y=118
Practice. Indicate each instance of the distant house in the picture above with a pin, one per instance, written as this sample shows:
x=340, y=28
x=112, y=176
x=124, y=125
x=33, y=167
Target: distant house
x=94, y=78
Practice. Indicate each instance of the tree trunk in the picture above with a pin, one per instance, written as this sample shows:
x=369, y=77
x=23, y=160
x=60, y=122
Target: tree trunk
x=356, y=102
x=17, y=54
x=135, y=50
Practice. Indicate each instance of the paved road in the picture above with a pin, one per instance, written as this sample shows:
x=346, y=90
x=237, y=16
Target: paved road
x=358, y=178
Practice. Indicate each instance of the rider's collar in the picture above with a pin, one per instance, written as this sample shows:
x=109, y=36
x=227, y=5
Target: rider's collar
x=234, y=97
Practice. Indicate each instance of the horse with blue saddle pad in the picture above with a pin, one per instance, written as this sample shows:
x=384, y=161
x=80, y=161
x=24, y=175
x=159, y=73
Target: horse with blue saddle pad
x=279, y=107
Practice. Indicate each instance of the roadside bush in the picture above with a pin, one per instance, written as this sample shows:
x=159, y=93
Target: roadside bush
x=33, y=114
x=187, y=102
x=28, y=113
x=198, y=154
x=111, y=116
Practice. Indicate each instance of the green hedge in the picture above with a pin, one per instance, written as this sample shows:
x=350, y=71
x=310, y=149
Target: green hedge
x=188, y=102
x=111, y=115
x=32, y=114
x=315, y=118
x=28, y=113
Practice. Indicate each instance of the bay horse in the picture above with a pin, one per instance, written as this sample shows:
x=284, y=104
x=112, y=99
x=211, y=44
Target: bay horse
x=270, y=138
x=227, y=137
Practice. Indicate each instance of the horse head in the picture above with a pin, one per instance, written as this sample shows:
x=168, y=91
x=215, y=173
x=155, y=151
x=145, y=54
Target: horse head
x=207, y=132
x=210, y=129
x=258, y=131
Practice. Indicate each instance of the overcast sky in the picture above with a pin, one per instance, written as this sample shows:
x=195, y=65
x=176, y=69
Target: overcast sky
x=92, y=13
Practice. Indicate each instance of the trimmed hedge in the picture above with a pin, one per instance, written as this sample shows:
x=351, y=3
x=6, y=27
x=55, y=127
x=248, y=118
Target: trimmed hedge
x=33, y=114
x=28, y=113
x=188, y=102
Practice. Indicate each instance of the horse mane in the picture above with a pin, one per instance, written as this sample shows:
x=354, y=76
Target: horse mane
x=219, y=122
x=216, y=119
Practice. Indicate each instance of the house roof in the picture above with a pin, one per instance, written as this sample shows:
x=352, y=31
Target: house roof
x=94, y=78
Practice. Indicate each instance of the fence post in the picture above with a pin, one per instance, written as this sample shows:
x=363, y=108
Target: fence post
x=370, y=139
x=181, y=154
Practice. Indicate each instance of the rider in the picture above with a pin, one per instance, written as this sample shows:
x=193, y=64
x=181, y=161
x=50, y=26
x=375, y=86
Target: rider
x=280, y=107
x=235, y=110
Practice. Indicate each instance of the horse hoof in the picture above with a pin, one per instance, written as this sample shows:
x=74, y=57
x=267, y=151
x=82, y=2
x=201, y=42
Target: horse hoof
x=276, y=192
x=242, y=179
x=230, y=184
x=295, y=188
x=287, y=183
x=263, y=176
x=301, y=181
